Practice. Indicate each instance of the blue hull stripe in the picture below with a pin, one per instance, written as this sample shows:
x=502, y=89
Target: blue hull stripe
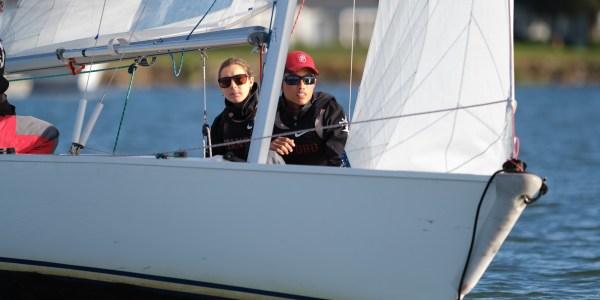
x=153, y=277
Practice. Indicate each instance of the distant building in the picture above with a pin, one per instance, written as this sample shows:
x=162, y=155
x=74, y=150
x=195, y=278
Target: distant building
x=329, y=22
x=555, y=27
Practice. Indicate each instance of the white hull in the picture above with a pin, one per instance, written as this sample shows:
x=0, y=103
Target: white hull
x=240, y=230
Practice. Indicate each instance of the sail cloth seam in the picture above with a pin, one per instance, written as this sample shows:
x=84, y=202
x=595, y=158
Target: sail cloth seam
x=416, y=133
x=415, y=87
x=388, y=65
x=460, y=89
x=474, y=23
x=498, y=138
x=489, y=51
x=405, y=59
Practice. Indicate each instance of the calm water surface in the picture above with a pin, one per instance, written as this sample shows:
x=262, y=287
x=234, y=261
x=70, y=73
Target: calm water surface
x=552, y=253
x=554, y=250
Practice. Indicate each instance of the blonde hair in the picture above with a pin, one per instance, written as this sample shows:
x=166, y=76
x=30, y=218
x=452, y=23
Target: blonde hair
x=236, y=61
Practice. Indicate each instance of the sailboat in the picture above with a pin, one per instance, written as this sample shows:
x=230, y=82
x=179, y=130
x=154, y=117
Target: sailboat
x=420, y=214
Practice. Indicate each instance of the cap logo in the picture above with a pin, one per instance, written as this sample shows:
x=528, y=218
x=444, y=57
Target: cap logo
x=302, y=58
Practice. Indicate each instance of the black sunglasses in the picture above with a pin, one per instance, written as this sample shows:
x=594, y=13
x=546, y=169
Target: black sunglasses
x=295, y=80
x=225, y=82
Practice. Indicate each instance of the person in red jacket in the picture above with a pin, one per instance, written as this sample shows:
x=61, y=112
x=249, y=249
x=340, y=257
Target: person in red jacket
x=25, y=134
x=22, y=134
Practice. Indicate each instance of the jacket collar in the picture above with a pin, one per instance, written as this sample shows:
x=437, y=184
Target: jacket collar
x=246, y=107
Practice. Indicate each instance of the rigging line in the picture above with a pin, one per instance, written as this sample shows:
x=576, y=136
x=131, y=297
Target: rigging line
x=132, y=70
x=87, y=82
x=206, y=139
x=335, y=126
x=271, y=21
x=297, y=17
x=351, y=60
x=262, y=64
x=204, y=56
x=175, y=71
x=429, y=112
x=67, y=74
x=201, y=19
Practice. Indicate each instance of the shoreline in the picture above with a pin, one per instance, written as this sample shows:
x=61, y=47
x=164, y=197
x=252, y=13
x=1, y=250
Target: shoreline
x=535, y=64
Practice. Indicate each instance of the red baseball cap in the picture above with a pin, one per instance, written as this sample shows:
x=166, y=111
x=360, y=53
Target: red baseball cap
x=297, y=60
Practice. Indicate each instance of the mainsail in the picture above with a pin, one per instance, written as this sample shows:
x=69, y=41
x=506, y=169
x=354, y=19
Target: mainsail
x=41, y=26
x=437, y=91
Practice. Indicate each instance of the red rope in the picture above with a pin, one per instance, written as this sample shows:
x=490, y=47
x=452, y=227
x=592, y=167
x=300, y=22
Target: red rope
x=297, y=16
x=260, y=69
x=73, y=69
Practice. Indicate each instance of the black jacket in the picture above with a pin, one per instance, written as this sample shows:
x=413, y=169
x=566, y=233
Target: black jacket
x=315, y=145
x=3, y=81
x=235, y=124
x=5, y=108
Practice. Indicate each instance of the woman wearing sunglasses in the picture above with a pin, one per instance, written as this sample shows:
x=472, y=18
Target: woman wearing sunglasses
x=234, y=125
x=313, y=124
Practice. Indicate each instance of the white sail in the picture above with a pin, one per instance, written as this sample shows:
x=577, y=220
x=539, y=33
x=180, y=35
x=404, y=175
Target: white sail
x=439, y=77
x=39, y=26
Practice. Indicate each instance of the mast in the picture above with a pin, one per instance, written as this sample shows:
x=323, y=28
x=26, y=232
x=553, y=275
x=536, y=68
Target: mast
x=269, y=94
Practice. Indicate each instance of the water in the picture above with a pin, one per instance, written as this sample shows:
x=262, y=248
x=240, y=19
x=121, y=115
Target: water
x=552, y=253
x=155, y=120
x=554, y=250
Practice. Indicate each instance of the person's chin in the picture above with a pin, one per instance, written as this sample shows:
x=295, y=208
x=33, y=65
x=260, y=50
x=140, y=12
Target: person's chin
x=237, y=99
x=301, y=100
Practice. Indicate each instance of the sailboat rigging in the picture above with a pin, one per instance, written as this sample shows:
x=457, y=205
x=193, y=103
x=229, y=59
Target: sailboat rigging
x=433, y=120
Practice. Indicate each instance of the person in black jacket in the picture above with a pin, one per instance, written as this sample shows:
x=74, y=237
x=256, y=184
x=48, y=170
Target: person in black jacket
x=234, y=125
x=3, y=82
x=314, y=126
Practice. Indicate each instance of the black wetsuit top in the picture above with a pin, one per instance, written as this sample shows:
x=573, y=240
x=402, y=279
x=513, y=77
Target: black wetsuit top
x=233, y=125
x=315, y=145
x=3, y=81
